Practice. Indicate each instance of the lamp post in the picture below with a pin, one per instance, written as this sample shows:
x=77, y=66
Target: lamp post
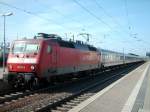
x=4, y=44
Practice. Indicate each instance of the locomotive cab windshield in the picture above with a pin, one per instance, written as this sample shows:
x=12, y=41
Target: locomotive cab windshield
x=25, y=48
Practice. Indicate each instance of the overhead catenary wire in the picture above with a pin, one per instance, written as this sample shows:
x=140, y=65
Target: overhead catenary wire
x=130, y=27
x=92, y=14
x=95, y=16
x=110, y=16
x=58, y=12
x=51, y=20
x=63, y=15
x=32, y=13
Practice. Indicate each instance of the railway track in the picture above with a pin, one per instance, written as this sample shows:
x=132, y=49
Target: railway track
x=71, y=101
x=53, y=98
x=10, y=95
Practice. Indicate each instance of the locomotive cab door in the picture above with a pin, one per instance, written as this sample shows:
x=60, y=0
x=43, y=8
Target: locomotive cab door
x=51, y=59
x=54, y=56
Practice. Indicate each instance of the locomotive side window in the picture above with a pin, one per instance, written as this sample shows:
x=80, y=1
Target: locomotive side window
x=49, y=49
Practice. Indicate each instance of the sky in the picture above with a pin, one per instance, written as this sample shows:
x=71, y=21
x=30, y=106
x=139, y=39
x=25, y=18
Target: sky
x=112, y=24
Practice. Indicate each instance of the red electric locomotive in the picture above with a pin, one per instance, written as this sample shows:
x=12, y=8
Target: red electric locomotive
x=31, y=61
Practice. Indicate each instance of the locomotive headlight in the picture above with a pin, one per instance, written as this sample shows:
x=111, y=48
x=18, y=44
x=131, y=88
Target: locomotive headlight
x=10, y=67
x=32, y=67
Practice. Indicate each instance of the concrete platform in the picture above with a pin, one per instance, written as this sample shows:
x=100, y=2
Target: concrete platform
x=131, y=93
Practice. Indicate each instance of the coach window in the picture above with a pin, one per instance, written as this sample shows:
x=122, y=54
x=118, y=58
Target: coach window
x=49, y=49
